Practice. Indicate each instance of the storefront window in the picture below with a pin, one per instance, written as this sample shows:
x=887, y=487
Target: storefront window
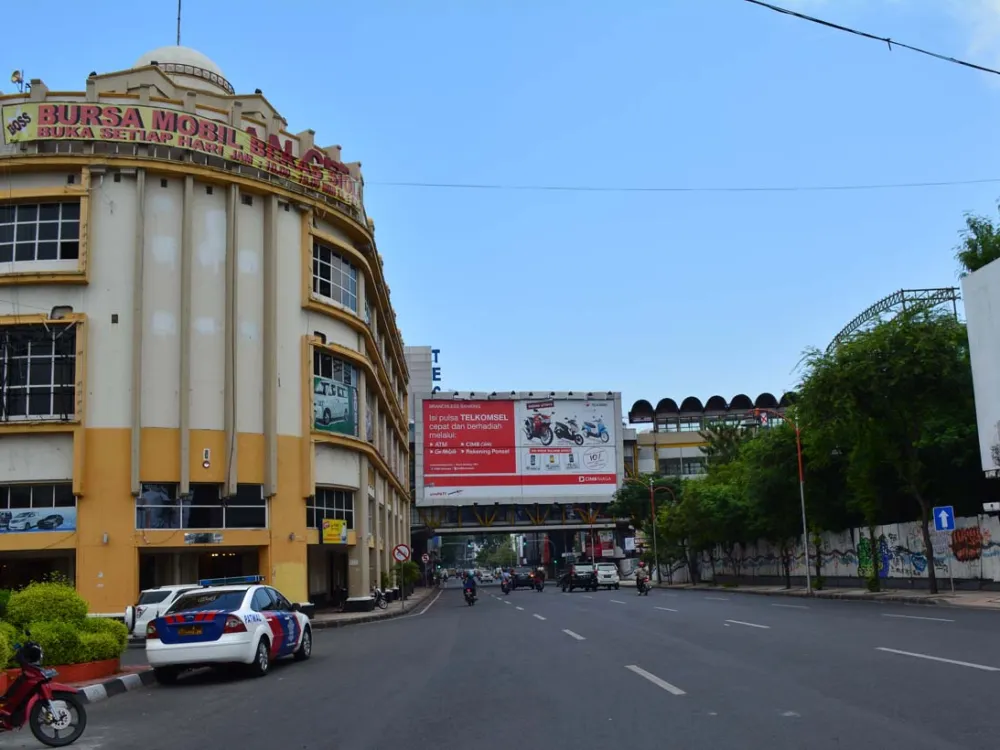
x=37, y=507
x=160, y=507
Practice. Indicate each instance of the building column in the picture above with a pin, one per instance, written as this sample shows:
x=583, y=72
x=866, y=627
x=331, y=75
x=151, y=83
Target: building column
x=358, y=573
x=390, y=537
x=380, y=534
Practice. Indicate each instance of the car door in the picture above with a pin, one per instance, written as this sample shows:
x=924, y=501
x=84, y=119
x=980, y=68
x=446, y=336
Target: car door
x=289, y=623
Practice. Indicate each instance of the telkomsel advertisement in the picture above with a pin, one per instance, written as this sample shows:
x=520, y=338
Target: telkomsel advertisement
x=517, y=449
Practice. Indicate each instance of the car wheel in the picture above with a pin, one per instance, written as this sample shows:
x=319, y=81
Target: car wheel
x=616, y=587
x=261, y=664
x=304, y=651
x=166, y=675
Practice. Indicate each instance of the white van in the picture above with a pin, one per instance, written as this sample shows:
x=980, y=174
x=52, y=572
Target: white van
x=330, y=401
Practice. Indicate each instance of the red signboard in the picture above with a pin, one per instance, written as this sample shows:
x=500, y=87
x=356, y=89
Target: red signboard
x=469, y=437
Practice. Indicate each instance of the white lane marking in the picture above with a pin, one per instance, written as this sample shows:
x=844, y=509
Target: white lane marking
x=655, y=680
x=571, y=634
x=666, y=609
x=749, y=624
x=587, y=596
x=915, y=617
x=789, y=714
x=969, y=664
x=506, y=601
x=429, y=605
x=617, y=601
x=539, y=617
x=717, y=598
x=791, y=606
x=519, y=609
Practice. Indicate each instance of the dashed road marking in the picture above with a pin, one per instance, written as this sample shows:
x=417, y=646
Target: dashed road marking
x=673, y=689
x=969, y=664
x=915, y=617
x=617, y=601
x=717, y=598
x=538, y=617
x=749, y=624
x=791, y=606
x=519, y=609
x=666, y=609
x=571, y=634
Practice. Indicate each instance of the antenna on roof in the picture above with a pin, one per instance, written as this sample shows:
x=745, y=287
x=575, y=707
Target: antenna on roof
x=17, y=78
x=178, y=23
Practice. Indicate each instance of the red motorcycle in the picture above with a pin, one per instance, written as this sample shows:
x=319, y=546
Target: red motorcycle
x=539, y=426
x=54, y=711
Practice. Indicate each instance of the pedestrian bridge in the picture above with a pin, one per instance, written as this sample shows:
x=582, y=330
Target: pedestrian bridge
x=520, y=518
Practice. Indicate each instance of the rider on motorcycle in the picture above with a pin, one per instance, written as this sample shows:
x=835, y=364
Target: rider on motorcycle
x=470, y=581
x=641, y=575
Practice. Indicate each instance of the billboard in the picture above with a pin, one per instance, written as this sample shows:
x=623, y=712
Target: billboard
x=38, y=519
x=335, y=407
x=981, y=294
x=517, y=449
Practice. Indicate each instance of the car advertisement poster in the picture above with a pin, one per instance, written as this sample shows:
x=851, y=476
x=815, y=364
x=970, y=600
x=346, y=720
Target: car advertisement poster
x=527, y=448
x=335, y=407
x=18, y=520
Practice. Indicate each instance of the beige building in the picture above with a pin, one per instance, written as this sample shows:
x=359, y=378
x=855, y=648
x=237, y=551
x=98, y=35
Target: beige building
x=200, y=367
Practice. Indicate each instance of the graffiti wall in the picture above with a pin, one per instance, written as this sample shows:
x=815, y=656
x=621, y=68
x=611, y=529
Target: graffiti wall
x=970, y=552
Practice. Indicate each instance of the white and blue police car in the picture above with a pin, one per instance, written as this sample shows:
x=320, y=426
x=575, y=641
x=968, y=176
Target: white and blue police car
x=227, y=621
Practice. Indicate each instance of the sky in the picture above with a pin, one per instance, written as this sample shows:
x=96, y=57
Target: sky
x=654, y=294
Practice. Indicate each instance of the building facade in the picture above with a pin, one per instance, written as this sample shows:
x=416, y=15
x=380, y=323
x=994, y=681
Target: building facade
x=200, y=368
x=672, y=443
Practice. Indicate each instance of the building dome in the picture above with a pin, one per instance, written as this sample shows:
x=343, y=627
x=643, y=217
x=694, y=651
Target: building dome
x=189, y=63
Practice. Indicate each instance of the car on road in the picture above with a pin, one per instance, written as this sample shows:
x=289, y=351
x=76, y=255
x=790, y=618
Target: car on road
x=227, y=621
x=607, y=575
x=579, y=576
x=152, y=603
x=523, y=578
x=486, y=577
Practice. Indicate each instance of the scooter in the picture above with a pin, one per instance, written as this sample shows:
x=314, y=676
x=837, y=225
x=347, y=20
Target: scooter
x=538, y=583
x=470, y=597
x=56, y=714
x=642, y=587
x=505, y=586
x=597, y=430
x=569, y=430
x=538, y=426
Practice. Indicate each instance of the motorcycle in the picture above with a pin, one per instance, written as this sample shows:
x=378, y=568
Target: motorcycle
x=538, y=427
x=381, y=601
x=48, y=707
x=597, y=430
x=537, y=583
x=470, y=597
x=505, y=586
x=642, y=587
x=569, y=430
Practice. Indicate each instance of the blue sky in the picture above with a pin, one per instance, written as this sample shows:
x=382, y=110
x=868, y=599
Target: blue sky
x=652, y=294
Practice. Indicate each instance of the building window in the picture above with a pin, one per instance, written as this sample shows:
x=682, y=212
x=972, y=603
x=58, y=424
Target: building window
x=39, y=231
x=330, y=503
x=37, y=372
x=37, y=507
x=334, y=278
x=160, y=507
x=335, y=394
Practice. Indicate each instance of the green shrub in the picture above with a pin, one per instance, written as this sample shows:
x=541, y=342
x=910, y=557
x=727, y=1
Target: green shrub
x=60, y=641
x=98, y=647
x=14, y=637
x=104, y=626
x=4, y=598
x=6, y=648
x=46, y=602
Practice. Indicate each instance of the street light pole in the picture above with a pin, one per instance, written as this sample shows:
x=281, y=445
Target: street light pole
x=802, y=489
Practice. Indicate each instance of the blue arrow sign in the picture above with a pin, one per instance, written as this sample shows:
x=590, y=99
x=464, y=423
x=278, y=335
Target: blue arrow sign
x=944, y=518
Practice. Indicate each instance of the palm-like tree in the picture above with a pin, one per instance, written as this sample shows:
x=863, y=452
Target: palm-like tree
x=980, y=244
x=722, y=442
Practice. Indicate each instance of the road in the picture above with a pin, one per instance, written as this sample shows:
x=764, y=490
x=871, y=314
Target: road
x=688, y=669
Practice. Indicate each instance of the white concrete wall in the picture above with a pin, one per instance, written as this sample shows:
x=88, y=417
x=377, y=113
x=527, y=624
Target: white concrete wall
x=208, y=309
x=972, y=551
x=36, y=458
x=291, y=323
x=337, y=467
x=250, y=319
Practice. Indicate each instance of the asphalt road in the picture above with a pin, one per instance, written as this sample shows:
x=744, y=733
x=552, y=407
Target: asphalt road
x=688, y=670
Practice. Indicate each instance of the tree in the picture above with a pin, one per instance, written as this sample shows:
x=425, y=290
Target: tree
x=497, y=551
x=722, y=442
x=897, y=396
x=632, y=499
x=980, y=244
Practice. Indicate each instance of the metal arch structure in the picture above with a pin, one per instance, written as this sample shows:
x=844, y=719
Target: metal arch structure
x=901, y=301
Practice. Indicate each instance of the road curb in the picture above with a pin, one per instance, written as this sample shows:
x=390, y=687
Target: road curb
x=331, y=624
x=117, y=686
x=879, y=597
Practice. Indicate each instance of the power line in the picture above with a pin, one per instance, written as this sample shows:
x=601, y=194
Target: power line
x=866, y=35
x=678, y=189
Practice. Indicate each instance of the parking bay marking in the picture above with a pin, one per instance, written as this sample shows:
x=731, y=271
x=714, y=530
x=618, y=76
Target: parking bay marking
x=749, y=624
x=969, y=664
x=673, y=689
x=915, y=617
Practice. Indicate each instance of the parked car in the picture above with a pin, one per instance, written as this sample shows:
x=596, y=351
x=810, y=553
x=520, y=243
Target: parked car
x=227, y=621
x=152, y=603
x=607, y=575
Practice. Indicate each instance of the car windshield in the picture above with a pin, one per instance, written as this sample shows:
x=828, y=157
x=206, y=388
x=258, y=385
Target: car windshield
x=206, y=600
x=153, y=597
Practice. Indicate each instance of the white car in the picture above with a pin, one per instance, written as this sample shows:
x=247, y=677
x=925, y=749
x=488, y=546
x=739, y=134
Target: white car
x=227, y=621
x=607, y=575
x=152, y=603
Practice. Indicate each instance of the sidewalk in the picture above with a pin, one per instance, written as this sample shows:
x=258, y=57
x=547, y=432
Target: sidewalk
x=968, y=599
x=419, y=599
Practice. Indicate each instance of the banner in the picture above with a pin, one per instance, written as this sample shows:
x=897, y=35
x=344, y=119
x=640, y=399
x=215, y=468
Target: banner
x=519, y=449
x=156, y=126
x=334, y=531
x=38, y=519
x=335, y=406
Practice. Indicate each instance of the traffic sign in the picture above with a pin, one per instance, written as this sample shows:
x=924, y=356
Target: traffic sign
x=425, y=558
x=401, y=553
x=944, y=518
